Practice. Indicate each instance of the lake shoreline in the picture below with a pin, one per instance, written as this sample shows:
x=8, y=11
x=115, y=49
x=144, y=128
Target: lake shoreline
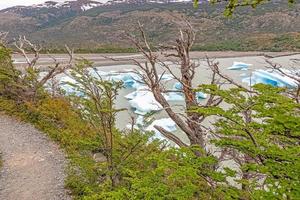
x=126, y=58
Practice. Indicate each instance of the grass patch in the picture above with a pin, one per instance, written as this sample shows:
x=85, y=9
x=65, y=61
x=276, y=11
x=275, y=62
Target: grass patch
x=261, y=42
x=275, y=43
x=221, y=46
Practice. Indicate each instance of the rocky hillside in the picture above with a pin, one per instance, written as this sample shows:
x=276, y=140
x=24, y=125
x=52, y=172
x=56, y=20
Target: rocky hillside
x=92, y=24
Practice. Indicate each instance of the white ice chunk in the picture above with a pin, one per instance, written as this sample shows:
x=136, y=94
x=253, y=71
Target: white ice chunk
x=64, y=84
x=174, y=96
x=137, y=85
x=140, y=120
x=131, y=95
x=114, y=77
x=243, y=75
x=239, y=66
x=129, y=78
x=166, y=77
x=201, y=95
x=144, y=102
x=100, y=73
x=166, y=123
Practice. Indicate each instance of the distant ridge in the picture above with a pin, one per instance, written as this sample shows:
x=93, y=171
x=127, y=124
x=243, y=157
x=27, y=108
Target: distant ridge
x=90, y=24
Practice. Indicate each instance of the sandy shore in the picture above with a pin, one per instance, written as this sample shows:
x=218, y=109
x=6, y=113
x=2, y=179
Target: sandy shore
x=123, y=58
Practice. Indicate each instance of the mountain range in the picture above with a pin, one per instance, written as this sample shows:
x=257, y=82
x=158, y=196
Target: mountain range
x=90, y=25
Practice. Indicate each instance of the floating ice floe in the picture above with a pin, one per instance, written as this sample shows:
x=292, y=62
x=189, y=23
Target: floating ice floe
x=167, y=77
x=239, y=66
x=167, y=123
x=174, y=96
x=139, y=120
x=143, y=101
x=64, y=84
x=97, y=73
x=129, y=79
x=243, y=75
x=131, y=95
x=201, y=95
x=129, y=83
x=178, y=86
x=271, y=78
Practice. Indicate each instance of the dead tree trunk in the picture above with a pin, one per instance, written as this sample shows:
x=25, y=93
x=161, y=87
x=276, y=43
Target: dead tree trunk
x=191, y=122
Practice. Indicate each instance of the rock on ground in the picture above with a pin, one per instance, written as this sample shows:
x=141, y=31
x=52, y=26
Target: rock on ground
x=33, y=166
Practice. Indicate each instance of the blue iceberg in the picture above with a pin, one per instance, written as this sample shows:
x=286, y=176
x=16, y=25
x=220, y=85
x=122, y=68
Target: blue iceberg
x=271, y=78
x=178, y=86
x=129, y=83
x=176, y=96
x=129, y=79
x=239, y=66
x=201, y=95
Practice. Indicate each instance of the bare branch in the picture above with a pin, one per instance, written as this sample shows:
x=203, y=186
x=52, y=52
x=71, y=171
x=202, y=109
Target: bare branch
x=21, y=45
x=181, y=50
x=170, y=136
x=278, y=68
x=215, y=68
x=294, y=75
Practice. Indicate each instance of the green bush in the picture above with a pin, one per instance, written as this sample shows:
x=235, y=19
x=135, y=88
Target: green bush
x=263, y=128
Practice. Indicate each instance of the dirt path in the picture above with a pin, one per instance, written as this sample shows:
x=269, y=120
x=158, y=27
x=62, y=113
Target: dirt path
x=33, y=167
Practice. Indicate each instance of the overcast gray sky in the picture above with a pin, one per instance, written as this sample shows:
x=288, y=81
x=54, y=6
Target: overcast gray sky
x=9, y=3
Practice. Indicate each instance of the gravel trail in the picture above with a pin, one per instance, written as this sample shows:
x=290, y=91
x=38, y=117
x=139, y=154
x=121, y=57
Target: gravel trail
x=33, y=166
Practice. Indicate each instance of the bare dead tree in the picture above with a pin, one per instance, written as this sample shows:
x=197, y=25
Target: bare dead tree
x=214, y=67
x=21, y=44
x=58, y=67
x=179, y=52
x=51, y=71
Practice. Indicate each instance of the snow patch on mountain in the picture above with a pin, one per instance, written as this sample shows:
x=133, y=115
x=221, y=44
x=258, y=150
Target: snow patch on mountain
x=51, y=4
x=83, y=5
x=89, y=6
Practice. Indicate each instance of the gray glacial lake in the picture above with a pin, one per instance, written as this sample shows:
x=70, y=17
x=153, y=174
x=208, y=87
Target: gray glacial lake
x=202, y=76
